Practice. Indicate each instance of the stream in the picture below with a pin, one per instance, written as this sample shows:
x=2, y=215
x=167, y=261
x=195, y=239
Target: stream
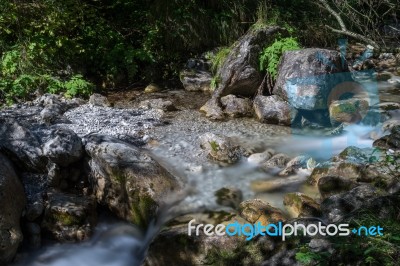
x=119, y=244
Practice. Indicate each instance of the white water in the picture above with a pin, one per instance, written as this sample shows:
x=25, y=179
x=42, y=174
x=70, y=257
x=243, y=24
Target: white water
x=122, y=244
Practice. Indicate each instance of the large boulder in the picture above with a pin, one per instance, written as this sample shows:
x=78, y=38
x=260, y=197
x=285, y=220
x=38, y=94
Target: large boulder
x=307, y=77
x=237, y=107
x=22, y=145
x=273, y=110
x=12, y=203
x=173, y=246
x=127, y=180
x=63, y=147
x=239, y=74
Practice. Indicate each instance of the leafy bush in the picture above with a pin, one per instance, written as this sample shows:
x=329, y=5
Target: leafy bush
x=270, y=56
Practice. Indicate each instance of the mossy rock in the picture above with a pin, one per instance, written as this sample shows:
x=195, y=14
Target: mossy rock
x=256, y=210
x=301, y=205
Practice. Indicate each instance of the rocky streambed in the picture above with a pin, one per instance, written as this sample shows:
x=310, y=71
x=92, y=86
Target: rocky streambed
x=123, y=175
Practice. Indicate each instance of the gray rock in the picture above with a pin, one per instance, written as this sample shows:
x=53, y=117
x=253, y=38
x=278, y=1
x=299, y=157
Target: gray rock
x=336, y=207
x=22, y=145
x=161, y=104
x=63, y=147
x=391, y=141
x=306, y=77
x=196, y=80
x=283, y=257
x=230, y=197
x=202, y=249
x=301, y=205
x=331, y=185
x=273, y=110
x=260, y=158
x=12, y=203
x=127, y=179
x=221, y=148
x=69, y=217
x=99, y=100
x=236, y=107
x=239, y=73
x=320, y=245
x=349, y=170
x=256, y=210
x=294, y=164
x=278, y=160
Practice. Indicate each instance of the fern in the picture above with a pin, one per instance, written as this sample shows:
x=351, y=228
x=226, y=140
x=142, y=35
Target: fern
x=270, y=56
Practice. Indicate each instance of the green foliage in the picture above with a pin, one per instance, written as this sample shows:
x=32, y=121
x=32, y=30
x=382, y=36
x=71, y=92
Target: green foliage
x=360, y=250
x=307, y=257
x=219, y=58
x=270, y=56
x=214, y=82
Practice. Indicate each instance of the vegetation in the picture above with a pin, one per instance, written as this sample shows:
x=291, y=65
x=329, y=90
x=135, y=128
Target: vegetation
x=75, y=46
x=270, y=56
x=359, y=250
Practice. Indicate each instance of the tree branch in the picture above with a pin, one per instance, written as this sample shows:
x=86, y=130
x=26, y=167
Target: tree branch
x=343, y=27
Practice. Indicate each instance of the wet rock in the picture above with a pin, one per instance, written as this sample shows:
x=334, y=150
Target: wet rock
x=348, y=170
x=221, y=148
x=12, y=203
x=236, y=107
x=127, y=180
x=239, y=73
x=331, y=185
x=34, y=210
x=34, y=235
x=349, y=111
x=356, y=155
x=301, y=161
x=256, y=210
x=161, y=104
x=336, y=207
x=301, y=205
x=230, y=197
x=151, y=88
x=69, y=217
x=99, y=100
x=306, y=77
x=276, y=184
x=259, y=158
x=273, y=110
x=391, y=141
x=63, y=147
x=196, y=80
x=383, y=76
x=202, y=249
x=277, y=161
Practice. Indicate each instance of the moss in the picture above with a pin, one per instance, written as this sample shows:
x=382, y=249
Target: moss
x=214, y=146
x=66, y=219
x=143, y=209
x=220, y=216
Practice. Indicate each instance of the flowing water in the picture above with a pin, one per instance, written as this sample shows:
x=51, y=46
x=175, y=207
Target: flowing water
x=121, y=244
